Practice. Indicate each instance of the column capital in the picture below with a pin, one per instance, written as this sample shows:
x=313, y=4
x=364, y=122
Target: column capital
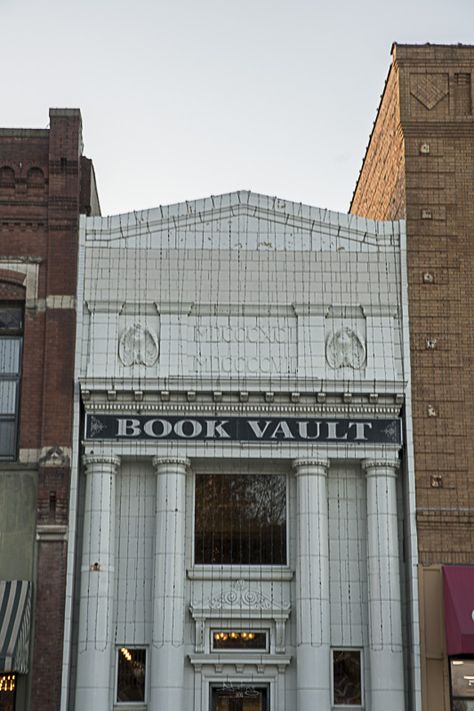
x=379, y=467
x=311, y=467
x=111, y=461
x=180, y=463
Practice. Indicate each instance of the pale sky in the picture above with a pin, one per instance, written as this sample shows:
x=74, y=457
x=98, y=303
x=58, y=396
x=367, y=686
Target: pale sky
x=182, y=99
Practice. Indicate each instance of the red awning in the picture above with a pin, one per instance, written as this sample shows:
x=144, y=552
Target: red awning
x=459, y=608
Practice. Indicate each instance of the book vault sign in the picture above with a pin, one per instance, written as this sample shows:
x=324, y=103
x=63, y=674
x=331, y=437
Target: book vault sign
x=244, y=429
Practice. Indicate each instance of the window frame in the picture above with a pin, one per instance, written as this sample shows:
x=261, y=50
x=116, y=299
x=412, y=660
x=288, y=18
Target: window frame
x=214, y=685
x=362, y=686
x=241, y=566
x=135, y=704
x=238, y=650
x=15, y=335
x=458, y=658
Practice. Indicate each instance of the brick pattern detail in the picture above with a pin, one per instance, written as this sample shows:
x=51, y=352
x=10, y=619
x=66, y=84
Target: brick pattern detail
x=420, y=163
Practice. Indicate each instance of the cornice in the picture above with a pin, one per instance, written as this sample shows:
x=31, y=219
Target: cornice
x=257, y=409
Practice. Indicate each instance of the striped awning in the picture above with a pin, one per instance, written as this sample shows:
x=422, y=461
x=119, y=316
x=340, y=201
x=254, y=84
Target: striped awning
x=15, y=613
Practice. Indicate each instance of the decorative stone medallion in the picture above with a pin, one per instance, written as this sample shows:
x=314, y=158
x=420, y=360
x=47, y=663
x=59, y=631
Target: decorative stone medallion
x=138, y=345
x=345, y=349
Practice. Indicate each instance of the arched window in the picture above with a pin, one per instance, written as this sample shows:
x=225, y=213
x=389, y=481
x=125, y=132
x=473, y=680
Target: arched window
x=35, y=179
x=7, y=177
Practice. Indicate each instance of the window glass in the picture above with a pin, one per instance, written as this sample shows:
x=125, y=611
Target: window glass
x=8, y=397
x=239, y=639
x=463, y=705
x=11, y=324
x=240, y=519
x=347, y=677
x=11, y=318
x=9, y=355
x=7, y=437
x=131, y=667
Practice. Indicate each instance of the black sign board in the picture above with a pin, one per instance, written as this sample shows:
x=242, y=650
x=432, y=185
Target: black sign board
x=243, y=429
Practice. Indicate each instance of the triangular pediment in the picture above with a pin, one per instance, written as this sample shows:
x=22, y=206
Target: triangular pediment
x=220, y=219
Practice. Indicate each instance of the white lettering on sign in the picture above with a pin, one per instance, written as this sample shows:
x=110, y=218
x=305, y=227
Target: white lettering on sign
x=128, y=428
x=215, y=429
x=303, y=429
x=250, y=429
x=188, y=428
x=157, y=428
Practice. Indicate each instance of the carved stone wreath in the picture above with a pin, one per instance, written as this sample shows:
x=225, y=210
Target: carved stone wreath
x=138, y=345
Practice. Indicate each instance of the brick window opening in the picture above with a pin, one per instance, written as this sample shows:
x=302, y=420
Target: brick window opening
x=11, y=342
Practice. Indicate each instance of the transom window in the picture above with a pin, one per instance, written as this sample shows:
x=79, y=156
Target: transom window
x=240, y=519
x=239, y=639
x=11, y=340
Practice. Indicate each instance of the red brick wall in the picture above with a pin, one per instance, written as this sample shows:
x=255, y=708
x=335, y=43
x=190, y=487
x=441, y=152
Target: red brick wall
x=39, y=219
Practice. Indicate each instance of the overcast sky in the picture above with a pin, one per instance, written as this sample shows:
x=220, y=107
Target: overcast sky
x=181, y=99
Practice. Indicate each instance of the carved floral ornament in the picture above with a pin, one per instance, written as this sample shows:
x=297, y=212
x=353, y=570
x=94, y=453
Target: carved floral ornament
x=138, y=345
x=345, y=349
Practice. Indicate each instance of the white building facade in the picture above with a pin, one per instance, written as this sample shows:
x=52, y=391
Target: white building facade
x=244, y=504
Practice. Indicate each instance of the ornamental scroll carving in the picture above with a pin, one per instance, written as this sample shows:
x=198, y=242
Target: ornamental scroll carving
x=138, y=345
x=345, y=349
x=240, y=595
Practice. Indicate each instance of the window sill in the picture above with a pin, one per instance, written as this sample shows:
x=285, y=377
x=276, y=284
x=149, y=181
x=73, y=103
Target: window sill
x=240, y=572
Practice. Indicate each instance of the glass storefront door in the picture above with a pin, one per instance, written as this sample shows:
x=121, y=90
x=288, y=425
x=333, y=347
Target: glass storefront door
x=241, y=698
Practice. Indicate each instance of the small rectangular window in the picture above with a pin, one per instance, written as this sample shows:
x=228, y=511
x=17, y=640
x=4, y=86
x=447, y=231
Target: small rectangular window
x=347, y=677
x=239, y=640
x=240, y=519
x=131, y=672
x=11, y=339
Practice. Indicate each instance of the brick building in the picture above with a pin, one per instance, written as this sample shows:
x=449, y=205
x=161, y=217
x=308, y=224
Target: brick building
x=45, y=183
x=419, y=165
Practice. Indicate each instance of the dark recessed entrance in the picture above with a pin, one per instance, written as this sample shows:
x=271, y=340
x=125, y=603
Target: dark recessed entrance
x=239, y=698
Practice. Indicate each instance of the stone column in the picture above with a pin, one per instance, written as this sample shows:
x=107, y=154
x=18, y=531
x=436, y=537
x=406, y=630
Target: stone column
x=384, y=594
x=312, y=587
x=95, y=660
x=167, y=652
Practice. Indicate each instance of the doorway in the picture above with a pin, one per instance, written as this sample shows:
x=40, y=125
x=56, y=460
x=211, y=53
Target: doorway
x=239, y=698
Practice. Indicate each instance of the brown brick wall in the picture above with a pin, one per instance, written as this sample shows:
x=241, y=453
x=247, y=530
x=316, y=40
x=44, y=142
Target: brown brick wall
x=429, y=88
x=40, y=189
